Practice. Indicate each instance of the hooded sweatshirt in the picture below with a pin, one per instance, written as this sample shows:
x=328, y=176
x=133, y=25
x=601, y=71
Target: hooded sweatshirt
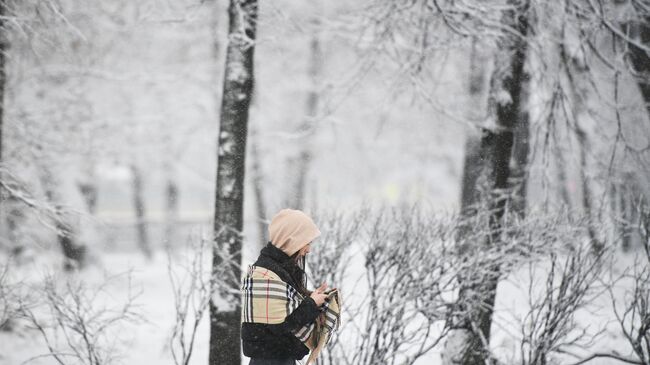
x=290, y=230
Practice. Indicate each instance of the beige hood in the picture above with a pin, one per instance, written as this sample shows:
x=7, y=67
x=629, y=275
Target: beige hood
x=290, y=230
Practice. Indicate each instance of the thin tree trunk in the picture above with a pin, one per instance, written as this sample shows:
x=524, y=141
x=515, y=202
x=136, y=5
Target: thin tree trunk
x=171, y=209
x=308, y=126
x=562, y=179
x=627, y=201
x=575, y=70
x=75, y=254
x=472, y=167
x=470, y=199
x=228, y=218
x=521, y=148
x=313, y=202
x=625, y=216
x=258, y=189
x=215, y=20
x=89, y=193
x=638, y=204
x=473, y=164
x=140, y=211
x=581, y=136
x=617, y=205
x=4, y=46
x=640, y=60
x=469, y=339
x=88, y=188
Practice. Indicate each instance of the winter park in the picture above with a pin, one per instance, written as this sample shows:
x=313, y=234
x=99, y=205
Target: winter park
x=373, y=182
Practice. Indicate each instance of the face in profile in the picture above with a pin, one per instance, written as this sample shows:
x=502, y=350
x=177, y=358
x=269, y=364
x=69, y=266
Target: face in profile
x=305, y=250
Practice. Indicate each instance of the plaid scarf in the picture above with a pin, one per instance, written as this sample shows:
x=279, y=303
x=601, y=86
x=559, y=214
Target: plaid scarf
x=267, y=299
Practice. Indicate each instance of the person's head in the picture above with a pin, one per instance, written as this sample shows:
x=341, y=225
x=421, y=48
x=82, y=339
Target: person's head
x=293, y=231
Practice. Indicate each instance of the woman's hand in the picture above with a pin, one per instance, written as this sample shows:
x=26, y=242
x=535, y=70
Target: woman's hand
x=318, y=295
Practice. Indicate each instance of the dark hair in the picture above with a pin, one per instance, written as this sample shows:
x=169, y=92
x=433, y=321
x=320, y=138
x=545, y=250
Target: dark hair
x=298, y=274
x=301, y=281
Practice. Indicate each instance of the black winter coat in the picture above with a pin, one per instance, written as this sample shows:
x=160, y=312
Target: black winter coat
x=275, y=341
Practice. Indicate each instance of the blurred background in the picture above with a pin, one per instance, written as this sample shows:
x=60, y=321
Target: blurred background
x=118, y=104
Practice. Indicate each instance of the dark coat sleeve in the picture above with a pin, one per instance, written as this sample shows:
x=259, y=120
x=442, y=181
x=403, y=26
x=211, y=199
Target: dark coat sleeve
x=305, y=313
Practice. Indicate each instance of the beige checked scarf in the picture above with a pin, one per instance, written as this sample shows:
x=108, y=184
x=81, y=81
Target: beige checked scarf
x=268, y=299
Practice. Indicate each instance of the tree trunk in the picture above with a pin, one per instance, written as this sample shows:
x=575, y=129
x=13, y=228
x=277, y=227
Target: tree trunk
x=4, y=47
x=258, y=183
x=313, y=202
x=581, y=136
x=171, y=210
x=469, y=339
x=472, y=167
x=89, y=193
x=628, y=196
x=88, y=187
x=74, y=253
x=140, y=211
x=520, y=151
x=640, y=60
x=215, y=20
x=627, y=204
x=470, y=200
x=563, y=187
x=473, y=164
x=575, y=71
x=308, y=127
x=228, y=218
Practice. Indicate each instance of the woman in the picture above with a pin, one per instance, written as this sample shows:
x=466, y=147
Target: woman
x=279, y=313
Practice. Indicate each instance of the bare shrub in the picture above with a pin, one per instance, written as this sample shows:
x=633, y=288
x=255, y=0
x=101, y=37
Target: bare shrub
x=192, y=290
x=199, y=274
x=552, y=255
x=570, y=281
x=632, y=310
x=10, y=298
x=330, y=260
x=75, y=321
x=403, y=311
x=406, y=299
